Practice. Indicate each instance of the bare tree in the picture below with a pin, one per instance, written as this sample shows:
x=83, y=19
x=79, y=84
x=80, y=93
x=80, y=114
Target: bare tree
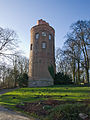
x=62, y=62
x=9, y=50
x=9, y=74
x=78, y=41
x=81, y=31
x=8, y=43
x=75, y=51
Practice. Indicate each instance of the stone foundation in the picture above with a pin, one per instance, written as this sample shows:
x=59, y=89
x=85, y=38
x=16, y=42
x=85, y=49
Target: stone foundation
x=40, y=83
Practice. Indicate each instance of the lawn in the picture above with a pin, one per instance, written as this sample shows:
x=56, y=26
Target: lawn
x=62, y=93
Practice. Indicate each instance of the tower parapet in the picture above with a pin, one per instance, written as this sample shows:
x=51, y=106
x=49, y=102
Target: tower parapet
x=42, y=22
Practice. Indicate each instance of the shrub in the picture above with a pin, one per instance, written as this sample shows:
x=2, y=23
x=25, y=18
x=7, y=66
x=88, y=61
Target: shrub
x=23, y=80
x=51, y=71
x=68, y=112
x=61, y=78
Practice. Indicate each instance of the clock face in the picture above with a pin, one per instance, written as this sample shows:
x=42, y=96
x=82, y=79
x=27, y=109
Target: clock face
x=37, y=36
x=43, y=34
x=50, y=37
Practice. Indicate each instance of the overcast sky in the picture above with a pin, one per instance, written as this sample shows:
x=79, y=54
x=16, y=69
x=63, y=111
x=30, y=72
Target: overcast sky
x=21, y=15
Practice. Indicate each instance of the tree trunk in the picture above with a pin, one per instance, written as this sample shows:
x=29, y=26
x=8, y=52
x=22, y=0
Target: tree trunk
x=87, y=75
x=74, y=75
x=78, y=72
x=74, y=65
x=87, y=70
x=74, y=72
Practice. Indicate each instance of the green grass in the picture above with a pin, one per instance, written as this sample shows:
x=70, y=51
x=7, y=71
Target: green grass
x=66, y=93
x=62, y=93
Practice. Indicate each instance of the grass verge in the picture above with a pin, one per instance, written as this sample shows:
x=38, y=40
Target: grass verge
x=66, y=93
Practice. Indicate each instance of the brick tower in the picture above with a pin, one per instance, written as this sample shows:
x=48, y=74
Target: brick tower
x=41, y=54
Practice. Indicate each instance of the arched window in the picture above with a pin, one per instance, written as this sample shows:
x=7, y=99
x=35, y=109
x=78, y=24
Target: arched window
x=43, y=45
x=36, y=36
x=50, y=37
x=43, y=33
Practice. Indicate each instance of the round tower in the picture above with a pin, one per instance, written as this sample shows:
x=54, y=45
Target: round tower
x=42, y=54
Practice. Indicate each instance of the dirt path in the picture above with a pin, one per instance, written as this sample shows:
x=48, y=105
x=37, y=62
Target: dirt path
x=6, y=114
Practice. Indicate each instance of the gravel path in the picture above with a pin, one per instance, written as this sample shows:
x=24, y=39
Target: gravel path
x=6, y=114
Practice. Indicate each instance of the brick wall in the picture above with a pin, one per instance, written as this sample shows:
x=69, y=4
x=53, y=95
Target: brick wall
x=41, y=58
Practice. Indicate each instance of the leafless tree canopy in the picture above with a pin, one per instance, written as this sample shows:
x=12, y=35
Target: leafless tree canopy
x=74, y=57
x=8, y=43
